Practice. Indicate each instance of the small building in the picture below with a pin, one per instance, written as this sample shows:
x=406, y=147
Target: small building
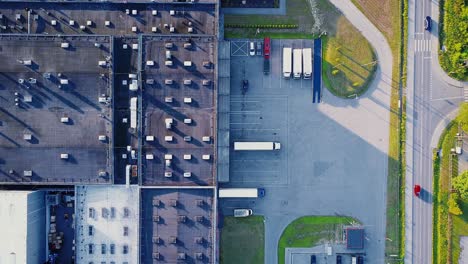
x=354, y=238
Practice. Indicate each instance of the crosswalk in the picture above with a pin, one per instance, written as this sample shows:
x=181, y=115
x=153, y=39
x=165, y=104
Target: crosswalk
x=465, y=93
x=421, y=45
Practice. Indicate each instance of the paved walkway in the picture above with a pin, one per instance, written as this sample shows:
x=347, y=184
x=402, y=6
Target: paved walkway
x=463, y=259
x=257, y=11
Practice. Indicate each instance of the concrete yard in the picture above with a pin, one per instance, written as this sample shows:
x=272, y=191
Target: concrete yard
x=333, y=157
x=36, y=100
x=90, y=18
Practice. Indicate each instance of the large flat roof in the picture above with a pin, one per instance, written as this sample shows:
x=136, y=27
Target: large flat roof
x=164, y=102
x=177, y=225
x=54, y=18
x=107, y=222
x=35, y=101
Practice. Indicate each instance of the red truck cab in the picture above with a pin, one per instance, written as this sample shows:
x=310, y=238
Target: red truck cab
x=266, y=48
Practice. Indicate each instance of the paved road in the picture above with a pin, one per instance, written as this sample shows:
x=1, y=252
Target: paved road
x=432, y=100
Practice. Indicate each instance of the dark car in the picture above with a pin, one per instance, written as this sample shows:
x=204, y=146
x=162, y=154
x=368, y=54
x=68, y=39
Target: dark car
x=360, y=260
x=245, y=86
x=313, y=259
x=427, y=23
x=338, y=259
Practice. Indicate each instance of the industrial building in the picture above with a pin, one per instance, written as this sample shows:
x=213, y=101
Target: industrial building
x=56, y=112
x=107, y=224
x=177, y=226
x=22, y=227
x=113, y=106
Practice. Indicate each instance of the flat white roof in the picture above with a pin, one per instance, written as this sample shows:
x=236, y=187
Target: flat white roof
x=14, y=227
x=107, y=219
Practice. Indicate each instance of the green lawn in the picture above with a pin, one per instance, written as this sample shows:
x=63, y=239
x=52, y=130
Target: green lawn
x=243, y=240
x=442, y=176
x=308, y=231
x=349, y=61
x=460, y=228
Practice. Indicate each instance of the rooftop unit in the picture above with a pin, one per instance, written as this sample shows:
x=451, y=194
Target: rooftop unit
x=65, y=45
x=64, y=156
x=187, y=174
x=149, y=138
x=188, y=63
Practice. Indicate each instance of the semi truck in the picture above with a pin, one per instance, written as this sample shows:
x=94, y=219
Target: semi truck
x=241, y=192
x=307, y=62
x=266, y=55
x=297, y=63
x=287, y=61
x=257, y=145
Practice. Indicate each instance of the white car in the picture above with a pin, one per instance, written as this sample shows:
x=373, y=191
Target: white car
x=242, y=212
x=252, y=48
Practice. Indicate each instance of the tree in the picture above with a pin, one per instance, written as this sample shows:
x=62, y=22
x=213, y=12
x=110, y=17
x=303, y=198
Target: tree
x=454, y=208
x=460, y=184
x=462, y=117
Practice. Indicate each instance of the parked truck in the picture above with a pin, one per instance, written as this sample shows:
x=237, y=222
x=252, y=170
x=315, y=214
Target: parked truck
x=287, y=61
x=297, y=63
x=307, y=62
x=266, y=55
x=257, y=145
x=241, y=192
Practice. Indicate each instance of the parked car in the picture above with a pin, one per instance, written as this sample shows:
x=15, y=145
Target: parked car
x=313, y=259
x=252, y=49
x=427, y=23
x=259, y=48
x=417, y=190
x=338, y=259
x=242, y=212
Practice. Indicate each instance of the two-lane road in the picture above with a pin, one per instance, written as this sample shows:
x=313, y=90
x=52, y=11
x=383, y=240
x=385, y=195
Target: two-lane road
x=430, y=100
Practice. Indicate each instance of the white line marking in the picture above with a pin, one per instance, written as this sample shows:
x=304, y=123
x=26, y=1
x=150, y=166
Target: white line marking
x=447, y=98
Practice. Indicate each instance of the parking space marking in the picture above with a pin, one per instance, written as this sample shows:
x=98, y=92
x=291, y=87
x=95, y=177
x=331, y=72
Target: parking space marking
x=239, y=48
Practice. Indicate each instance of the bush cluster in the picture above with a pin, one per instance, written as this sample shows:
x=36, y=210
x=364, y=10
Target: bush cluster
x=277, y=26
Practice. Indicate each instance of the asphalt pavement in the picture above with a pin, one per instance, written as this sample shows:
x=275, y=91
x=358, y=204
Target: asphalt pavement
x=432, y=101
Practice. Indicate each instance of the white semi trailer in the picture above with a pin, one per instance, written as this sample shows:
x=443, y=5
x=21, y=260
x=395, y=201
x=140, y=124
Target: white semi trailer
x=287, y=61
x=307, y=62
x=241, y=192
x=297, y=63
x=257, y=145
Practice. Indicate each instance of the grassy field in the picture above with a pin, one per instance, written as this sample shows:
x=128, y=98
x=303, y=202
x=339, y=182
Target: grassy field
x=308, y=231
x=442, y=175
x=243, y=240
x=454, y=36
x=349, y=61
x=298, y=12
x=390, y=17
x=459, y=228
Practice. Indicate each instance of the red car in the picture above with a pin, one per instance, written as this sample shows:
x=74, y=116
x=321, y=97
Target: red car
x=417, y=190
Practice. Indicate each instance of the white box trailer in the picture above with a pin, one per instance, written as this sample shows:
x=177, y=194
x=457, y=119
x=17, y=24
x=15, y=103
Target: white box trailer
x=287, y=61
x=133, y=112
x=241, y=192
x=307, y=62
x=257, y=145
x=297, y=63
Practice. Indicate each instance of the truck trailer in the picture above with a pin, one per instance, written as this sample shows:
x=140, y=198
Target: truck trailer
x=257, y=145
x=241, y=192
x=287, y=60
x=297, y=63
x=307, y=62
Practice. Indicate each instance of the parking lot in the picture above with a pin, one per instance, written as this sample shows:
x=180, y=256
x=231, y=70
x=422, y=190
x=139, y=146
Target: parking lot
x=333, y=157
